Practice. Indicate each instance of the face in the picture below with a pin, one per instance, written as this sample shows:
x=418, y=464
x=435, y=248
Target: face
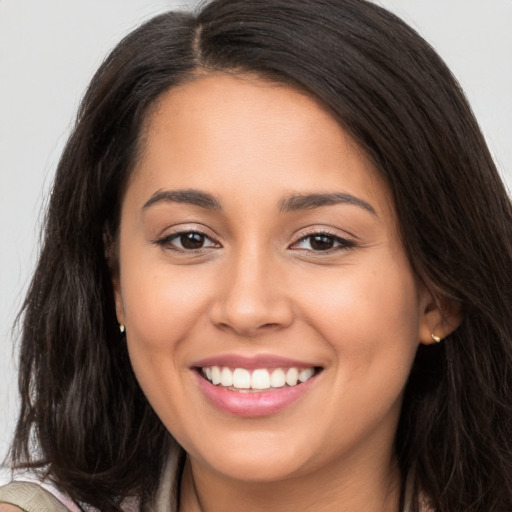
x=271, y=314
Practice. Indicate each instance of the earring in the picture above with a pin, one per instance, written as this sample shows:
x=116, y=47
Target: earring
x=121, y=328
x=437, y=339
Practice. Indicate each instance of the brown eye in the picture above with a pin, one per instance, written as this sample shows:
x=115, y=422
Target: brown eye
x=192, y=240
x=187, y=241
x=321, y=242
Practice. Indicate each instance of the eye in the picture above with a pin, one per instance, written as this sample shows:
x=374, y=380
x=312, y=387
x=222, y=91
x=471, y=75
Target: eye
x=322, y=242
x=188, y=241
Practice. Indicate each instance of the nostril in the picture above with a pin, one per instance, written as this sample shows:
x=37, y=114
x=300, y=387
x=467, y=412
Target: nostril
x=250, y=311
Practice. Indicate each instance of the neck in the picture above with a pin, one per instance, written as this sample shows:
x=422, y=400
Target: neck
x=362, y=487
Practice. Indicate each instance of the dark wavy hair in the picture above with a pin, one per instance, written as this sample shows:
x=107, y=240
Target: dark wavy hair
x=83, y=416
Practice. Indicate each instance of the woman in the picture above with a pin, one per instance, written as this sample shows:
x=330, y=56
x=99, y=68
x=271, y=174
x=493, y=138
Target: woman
x=276, y=273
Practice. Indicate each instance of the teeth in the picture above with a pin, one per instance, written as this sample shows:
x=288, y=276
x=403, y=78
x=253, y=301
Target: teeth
x=306, y=374
x=292, y=376
x=260, y=379
x=240, y=378
x=215, y=375
x=277, y=378
x=226, y=377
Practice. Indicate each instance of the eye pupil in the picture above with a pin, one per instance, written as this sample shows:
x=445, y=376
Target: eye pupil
x=192, y=240
x=321, y=242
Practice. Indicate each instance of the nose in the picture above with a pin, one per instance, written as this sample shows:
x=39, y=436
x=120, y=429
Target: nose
x=252, y=296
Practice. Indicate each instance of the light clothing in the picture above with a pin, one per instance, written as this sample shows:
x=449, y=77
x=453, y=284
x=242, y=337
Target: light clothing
x=22, y=489
x=33, y=495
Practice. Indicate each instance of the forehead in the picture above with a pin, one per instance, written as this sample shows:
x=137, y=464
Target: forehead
x=254, y=135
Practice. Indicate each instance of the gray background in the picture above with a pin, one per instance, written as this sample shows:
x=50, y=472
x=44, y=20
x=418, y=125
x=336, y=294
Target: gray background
x=49, y=50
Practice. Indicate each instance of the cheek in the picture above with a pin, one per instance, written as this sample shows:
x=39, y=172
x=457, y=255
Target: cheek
x=371, y=325
x=162, y=305
x=369, y=315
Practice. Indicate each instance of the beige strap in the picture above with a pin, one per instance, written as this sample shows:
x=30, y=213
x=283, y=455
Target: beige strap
x=30, y=497
x=166, y=499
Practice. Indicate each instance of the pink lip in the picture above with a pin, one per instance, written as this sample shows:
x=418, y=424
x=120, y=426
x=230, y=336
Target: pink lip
x=252, y=363
x=253, y=404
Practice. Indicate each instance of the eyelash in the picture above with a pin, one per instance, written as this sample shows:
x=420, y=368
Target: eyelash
x=342, y=243
x=167, y=241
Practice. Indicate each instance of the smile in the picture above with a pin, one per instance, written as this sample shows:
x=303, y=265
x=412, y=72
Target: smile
x=252, y=387
x=259, y=379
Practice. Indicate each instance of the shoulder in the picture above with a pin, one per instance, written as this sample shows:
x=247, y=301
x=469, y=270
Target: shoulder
x=29, y=497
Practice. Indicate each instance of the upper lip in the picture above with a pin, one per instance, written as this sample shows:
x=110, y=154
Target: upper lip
x=252, y=362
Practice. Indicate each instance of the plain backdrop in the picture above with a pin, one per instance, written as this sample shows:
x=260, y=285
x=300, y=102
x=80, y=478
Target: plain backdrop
x=49, y=50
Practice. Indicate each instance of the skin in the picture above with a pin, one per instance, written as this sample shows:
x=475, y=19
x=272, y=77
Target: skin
x=257, y=286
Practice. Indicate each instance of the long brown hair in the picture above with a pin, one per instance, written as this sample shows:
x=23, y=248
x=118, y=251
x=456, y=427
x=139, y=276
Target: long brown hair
x=83, y=416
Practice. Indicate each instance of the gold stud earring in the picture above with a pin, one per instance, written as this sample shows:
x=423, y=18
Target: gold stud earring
x=437, y=339
x=121, y=328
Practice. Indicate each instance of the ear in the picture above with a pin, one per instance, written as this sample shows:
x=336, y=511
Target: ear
x=111, y=256
x=116, y=287
x=440, y=316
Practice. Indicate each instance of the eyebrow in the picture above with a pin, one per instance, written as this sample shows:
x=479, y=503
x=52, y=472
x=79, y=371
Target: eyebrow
x=189, y=196
x=310, y=201
x=291, y=203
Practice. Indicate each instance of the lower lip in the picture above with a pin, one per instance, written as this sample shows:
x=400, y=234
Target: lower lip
x=253, y=404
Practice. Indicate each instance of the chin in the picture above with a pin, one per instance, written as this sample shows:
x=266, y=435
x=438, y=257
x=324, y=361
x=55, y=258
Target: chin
x=264, y=461
x=253, y=469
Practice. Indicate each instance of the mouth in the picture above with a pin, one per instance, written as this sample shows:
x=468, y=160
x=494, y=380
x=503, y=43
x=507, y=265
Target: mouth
x=258, y=380
x=254, y=387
